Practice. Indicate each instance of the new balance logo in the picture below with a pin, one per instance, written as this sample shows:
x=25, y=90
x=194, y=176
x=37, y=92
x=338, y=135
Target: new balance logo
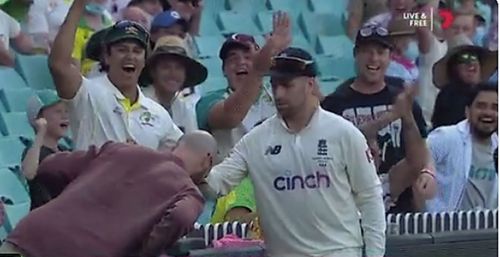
x=273, y=150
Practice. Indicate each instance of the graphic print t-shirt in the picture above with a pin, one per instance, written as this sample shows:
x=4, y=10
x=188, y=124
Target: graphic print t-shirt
x=362, y=108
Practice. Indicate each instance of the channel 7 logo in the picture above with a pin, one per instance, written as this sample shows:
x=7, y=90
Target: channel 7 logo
x=426, y=19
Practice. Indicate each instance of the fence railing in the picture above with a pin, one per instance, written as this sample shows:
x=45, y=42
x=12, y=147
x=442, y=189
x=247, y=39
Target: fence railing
x=398, y=224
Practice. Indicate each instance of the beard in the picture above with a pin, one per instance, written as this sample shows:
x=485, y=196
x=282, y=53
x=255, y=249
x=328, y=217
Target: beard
x=482, y=133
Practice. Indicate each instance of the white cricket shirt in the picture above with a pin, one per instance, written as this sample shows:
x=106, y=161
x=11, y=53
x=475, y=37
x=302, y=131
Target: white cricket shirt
x=307, y=186
x=97, y=115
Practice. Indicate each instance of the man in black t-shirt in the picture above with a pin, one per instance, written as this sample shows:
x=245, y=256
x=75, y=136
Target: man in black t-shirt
x=365, y=99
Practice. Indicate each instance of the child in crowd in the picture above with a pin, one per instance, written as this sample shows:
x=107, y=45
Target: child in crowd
x=49, y=118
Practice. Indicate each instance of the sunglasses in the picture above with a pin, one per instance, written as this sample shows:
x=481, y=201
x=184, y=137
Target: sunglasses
x=293, y=65
x=373, y=30
x=466, y=58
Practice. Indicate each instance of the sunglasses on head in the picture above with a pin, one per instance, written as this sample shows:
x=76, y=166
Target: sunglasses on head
x=465, y=58
x=293, y=65
x=373, y=30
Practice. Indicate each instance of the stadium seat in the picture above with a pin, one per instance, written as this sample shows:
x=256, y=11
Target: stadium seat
x=212, y=84
x=301, y=42
x=328, y=87
x=321, y=24
x=232, y=22
x=208, y=25
x=208, y=46
x=15, y=198
x=293, y=7
x=337, y=7
x=336, y=46
x=243, y=6
x=331, y=68
x=11, y=149
x=15, y=124
x=34, y=69
x=11, y=79
x=214, y=66
x=16, y=100
x=213, y=7
x=265, y=22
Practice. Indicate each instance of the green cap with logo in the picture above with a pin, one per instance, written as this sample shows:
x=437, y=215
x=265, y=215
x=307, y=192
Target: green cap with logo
x=125, y=29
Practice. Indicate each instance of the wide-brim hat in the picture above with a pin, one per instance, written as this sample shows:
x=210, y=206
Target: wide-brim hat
x=175, y=46
x=400, y=27
x=488, y=60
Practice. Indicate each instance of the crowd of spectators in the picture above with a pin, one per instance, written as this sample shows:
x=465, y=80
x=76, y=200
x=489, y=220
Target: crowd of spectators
x=414, y=130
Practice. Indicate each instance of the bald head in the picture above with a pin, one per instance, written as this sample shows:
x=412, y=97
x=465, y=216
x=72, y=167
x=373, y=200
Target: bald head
x=134, y=13
x=200, y=141
x=196, y=149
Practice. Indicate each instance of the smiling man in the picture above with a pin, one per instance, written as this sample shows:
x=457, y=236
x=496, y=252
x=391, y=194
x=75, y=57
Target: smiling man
x=230, y=113
x=110, y=107
x=464, y=156
x=365, y=99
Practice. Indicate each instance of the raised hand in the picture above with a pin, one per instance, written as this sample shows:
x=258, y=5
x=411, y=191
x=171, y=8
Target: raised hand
x=281, y=36
x=41, y=126
x=403, y=105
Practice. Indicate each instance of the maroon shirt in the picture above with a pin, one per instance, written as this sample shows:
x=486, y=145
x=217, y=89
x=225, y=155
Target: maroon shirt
x=117, y=201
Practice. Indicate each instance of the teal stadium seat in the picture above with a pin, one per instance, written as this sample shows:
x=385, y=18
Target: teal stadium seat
x=336, y=46
x=15, y=124
x=248, y=6
x=16, y=100
x=328, y=87
x=35, y=70
x=337, y=7
x=213, y=7
x=265, y=22
x=213, y=65
x=9, y=78
x=233, y=22
x=301, y=42
x=293, y=7
x=321, y=24
x=11, y=149
x=208, y=46
x=332, y=68
x=15, y=198
x=208, y=25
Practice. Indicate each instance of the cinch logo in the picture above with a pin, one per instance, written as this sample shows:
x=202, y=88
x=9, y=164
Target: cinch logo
x=312, y=181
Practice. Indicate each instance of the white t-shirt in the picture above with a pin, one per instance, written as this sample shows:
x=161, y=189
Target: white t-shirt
x=9, y=29
x=183, y=112
x=97, y=116
x=428, y=91
x=307, y=186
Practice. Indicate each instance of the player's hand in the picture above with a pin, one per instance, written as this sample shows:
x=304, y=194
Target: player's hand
x=41, y=126
x=425, y=186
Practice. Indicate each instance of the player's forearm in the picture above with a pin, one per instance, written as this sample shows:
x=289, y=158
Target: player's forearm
x=371, y=206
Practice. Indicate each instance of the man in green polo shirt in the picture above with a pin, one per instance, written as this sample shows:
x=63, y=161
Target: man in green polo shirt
x=230, y=113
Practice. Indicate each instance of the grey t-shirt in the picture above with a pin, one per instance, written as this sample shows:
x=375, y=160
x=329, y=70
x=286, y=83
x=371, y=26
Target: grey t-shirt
x=482, y=177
